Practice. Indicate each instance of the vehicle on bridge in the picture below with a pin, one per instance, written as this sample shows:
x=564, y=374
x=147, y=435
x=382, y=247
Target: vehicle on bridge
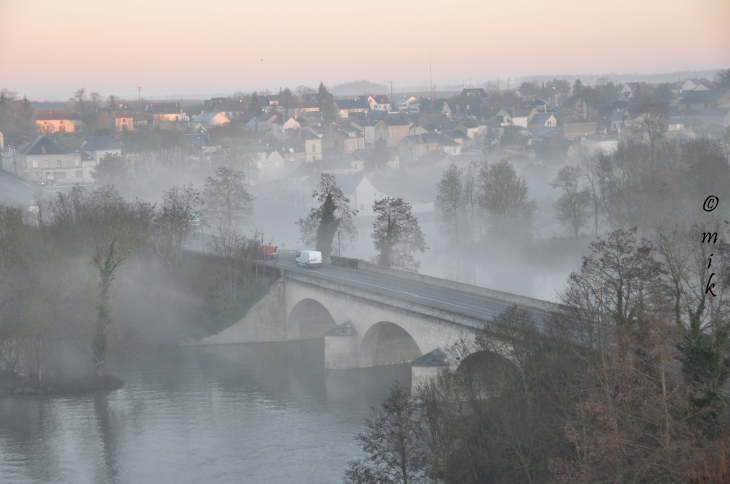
x=268, y=252
x=309, y=258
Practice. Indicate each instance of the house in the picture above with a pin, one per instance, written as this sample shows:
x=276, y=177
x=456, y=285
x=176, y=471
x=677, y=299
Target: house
x=437, y=159
x=99, y=146
x=58, y=120
x=392, y=130
x=230, y=108
x=166, y=111
x=44, y=160
x=261, y=123
x=622, y=120
x=713, y=98
x=361, y=192
x=348, y=107
x=445, y=143
x=594, y=143
x=407, y=104
x=520, y=117
x=307, y=108
x=438, y=121
x=630, y=89
x=459, y=137
x=342, y=139
x=412, y=147
x=366, y=127
x=143, y=120
x=122, y=121
x=310, y=142
x=695, y=83
x=475, y=93
x=472, y=129
x=541, y=120
x=379, y=103
x=210, y=119
x=710, y=116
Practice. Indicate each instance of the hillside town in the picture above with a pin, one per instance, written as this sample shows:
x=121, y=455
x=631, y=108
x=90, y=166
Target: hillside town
x=294, y=136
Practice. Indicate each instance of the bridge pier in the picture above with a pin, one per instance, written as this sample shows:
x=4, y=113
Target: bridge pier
x=341, y=350
x=426, y=367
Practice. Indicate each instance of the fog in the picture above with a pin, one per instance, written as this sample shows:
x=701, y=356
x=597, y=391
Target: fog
x=206, y=287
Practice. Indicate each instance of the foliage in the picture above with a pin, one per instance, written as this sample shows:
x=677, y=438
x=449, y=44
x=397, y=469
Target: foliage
x=174, y=220
x=112, y=170
x=380, y=155
x=573, y=206
x=504, y=196
x=396, y=234
x=332, y=210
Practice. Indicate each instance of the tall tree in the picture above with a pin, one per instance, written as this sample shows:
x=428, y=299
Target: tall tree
x=504, y=196
x=380, y=155
x=651, y=124
x=395, y=454
x=396, y=234
x=326, y=102
x=450, y=203
x=112, y=170
x=332, y=210
x=573, y=206
x=226, y=194
x=174, y=220
x=254, y=105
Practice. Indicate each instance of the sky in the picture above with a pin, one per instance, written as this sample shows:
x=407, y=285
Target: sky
x=49, y=48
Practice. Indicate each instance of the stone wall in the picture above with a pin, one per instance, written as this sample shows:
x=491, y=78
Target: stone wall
x=264, y=322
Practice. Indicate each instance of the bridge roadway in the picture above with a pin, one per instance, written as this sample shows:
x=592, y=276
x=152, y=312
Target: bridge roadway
x=479, y=307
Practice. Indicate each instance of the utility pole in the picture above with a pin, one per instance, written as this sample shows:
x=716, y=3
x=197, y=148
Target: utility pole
x=430, y=72
x=391, y=96
x=139, y=96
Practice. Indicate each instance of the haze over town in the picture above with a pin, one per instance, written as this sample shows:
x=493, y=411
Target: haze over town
x=231, y=232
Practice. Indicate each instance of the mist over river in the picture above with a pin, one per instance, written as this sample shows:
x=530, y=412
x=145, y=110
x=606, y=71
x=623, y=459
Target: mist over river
x=265, y=412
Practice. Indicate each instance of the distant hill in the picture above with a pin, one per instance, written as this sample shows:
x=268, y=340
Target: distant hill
x=358, y=87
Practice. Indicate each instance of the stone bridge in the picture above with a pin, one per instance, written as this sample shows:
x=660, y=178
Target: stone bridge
x=372, y=316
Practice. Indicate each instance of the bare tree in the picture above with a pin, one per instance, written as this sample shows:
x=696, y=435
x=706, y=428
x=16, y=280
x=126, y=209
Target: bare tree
x=450, y=203
x=226, y=194
x=394, y=451
x=396, y=234
x=174, y=220
x=574, y=204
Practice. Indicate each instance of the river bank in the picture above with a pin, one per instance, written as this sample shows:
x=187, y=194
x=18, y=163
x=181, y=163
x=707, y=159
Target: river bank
x=31, y=386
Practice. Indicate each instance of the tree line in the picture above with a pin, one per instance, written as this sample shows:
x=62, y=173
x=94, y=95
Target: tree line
x=621, y=382
x=62, y=261
x=396, y=233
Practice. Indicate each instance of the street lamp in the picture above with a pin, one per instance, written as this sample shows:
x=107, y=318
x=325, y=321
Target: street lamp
x=339, y=253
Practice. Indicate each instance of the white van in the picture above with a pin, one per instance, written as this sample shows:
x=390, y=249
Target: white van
x=309, y=258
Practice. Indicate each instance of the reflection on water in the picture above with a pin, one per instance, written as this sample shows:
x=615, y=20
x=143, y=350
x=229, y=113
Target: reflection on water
x=265, y=412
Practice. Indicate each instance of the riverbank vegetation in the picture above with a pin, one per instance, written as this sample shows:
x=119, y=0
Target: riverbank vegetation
x=622, y=382
x=91, y=273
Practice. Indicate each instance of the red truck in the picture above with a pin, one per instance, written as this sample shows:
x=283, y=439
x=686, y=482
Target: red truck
x=269, y=252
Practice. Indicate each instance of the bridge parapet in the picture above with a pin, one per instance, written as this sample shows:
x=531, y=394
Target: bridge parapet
x=534, y=305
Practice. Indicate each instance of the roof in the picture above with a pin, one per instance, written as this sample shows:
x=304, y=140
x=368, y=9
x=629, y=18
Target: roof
x=456, y=134
x=98, y=143
x=357, y=103
x=546, y=131
x=163, y=108
x=440, y=139
x=380, y=99
x=478, y=91
x=703, y=97
x=121, y=114
x=541, y=118
x=36, y=147
x=396, y=122
x=207, y=117
x=433, y=156
x=348, y=183
x=57, y=114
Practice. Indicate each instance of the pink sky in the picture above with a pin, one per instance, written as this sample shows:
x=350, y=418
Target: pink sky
x=49, y=48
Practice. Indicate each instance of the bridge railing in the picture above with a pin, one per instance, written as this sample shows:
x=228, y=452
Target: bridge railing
x=522, y=301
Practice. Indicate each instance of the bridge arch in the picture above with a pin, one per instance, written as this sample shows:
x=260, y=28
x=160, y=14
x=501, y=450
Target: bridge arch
x=387, y=343
x=312, y=318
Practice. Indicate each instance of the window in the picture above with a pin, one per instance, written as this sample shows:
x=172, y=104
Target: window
x=47, y=164
x=314, y=148
x=35, y=164
x=58, y=164
x=61, y=122
x=35, y=175
x=78, y=162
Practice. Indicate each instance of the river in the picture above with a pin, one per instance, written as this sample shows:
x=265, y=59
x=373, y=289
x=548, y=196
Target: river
x=249, y=413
